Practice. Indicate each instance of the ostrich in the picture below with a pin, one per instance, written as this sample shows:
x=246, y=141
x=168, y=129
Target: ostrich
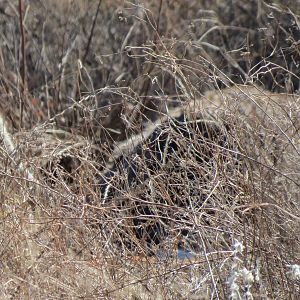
x=179, y=172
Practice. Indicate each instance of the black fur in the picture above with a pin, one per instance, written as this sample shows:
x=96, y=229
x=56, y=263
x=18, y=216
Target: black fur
x=166, y=150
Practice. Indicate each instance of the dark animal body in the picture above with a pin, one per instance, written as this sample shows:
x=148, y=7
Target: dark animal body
x=187, y=171
x=165, y=175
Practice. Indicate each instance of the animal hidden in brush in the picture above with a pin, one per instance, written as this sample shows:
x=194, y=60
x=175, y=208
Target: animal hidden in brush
x=174, y=175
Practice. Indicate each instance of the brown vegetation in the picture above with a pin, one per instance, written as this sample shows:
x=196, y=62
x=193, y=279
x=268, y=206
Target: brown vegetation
x=149, y=151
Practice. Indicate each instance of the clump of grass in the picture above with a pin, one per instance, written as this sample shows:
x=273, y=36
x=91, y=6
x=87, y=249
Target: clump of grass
x=98, y=84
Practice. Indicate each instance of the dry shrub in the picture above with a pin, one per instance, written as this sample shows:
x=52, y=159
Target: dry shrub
x=212, y=210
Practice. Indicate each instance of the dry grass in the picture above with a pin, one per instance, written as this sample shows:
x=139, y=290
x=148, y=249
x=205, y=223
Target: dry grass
x=220, y=184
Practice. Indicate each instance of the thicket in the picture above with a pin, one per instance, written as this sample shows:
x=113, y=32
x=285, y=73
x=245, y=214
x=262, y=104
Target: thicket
x=149, y=150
